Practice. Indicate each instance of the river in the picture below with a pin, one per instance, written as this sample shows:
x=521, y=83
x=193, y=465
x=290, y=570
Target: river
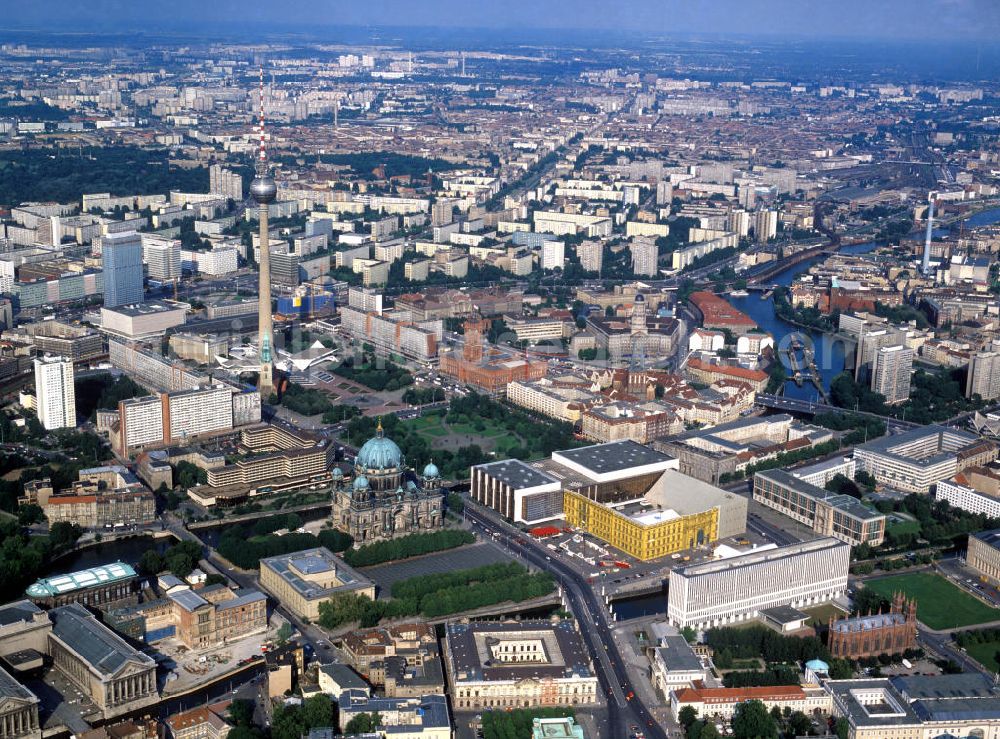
x=829, y=355
x=120, y=550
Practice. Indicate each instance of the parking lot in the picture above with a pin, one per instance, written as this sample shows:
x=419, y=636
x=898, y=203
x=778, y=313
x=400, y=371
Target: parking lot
x=615, y=570
x=969, y=579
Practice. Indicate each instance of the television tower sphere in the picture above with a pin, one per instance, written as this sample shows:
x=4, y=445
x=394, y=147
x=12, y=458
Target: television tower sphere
x=264, y=189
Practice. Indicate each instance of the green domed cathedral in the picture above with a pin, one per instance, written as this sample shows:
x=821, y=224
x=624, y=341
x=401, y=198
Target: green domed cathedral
x=384, y=498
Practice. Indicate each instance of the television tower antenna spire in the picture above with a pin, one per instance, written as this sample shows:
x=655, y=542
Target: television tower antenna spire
x=264, y=190
x=926, y=266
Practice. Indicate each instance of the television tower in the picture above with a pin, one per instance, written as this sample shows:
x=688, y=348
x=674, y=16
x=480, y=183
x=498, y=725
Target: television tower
x=264, y=191
x=926, y=266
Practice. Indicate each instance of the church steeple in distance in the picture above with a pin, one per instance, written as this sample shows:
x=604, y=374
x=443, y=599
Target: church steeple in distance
x=264, y=191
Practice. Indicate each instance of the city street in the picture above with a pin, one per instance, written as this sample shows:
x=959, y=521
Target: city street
x=625, y=707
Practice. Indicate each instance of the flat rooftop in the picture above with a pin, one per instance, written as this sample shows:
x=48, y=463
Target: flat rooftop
x=469, y=651
x=293, y=566
x=756, y=557
x=784, y=614
x=844, y=503
x=615, y=456
x=22, y=611
x=948, y=442
x=991, y=537
x=145, y=309
x=517, y=474
x=677, y=654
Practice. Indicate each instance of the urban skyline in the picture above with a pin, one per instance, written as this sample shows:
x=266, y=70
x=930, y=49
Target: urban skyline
x=548, y=371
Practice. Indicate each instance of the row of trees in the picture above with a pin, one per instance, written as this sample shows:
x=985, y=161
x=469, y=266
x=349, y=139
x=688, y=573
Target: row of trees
x=23, y=558
x=785, y=459
x=180, y=559
x=104, y=392
x=541, y=436
x=245, y=550
x=859, y=427
x=761, y=642
x=438, y=595
x=391, y=163
x=312, y=402
x=307, y=401
x=60, y=175
x=423, y=395
x=296, y=721
x=777, y=675
x=965, y=639
x=517, y=724
x=421, y=585
x=934, y=396
x=375, y=372
x=412, y=545
x=941, y=523
x=188, y=474
x=751, y=720
x=902, y=313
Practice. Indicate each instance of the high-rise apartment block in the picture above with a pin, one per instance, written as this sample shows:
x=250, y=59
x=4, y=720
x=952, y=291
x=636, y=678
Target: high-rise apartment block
x=55, y=395
x=765, y=225
x=121, y=259
x=664, y=192
x=442, y=212
x=553, y=255
x=162, y=257
x=164, y=418
x=365, y=299
x=738, y=222
x=644, y=253
x=591, y=254
x=984, y=376
x=224, y=183
x=870, y=341
x=891, y=377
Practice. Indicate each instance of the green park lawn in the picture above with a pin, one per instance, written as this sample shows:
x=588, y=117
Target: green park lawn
x=493, y=437
x=821, y=615
x=986, y=654
x=904, y=526
x=940, y=605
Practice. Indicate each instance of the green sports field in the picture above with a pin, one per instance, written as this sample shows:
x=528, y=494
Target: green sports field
x=940, y=604
x=986, y=654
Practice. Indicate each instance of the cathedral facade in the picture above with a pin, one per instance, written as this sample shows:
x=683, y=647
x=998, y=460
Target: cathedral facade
x=383, y=498
x=881, y=633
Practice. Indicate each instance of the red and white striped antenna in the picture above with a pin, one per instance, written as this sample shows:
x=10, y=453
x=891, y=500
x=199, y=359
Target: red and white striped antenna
x=262, y=152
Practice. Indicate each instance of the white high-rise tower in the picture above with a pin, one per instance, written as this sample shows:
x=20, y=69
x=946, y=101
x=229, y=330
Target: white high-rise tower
x=55, y=394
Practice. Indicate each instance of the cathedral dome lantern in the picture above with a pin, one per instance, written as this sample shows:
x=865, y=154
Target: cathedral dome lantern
x=379, y=453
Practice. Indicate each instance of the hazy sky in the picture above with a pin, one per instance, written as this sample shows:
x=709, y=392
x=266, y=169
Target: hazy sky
x=899, y=19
